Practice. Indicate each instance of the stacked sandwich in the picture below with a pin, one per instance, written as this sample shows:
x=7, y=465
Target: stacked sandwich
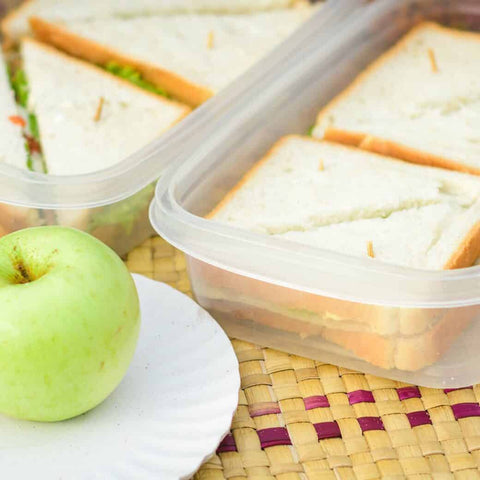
x=96, y=81
x=391, y=176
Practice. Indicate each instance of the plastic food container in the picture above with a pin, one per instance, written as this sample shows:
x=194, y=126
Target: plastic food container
x=411, y=325
x=111, y=204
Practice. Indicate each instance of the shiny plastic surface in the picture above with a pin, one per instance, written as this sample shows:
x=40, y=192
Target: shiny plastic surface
x=112, y=204
x=411, y=325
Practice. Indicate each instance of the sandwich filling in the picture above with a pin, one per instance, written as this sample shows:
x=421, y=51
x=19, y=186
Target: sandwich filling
x=28, y=120
x=133, y=76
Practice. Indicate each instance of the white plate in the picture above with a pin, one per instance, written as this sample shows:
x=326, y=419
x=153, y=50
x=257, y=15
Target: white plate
x=169, y=413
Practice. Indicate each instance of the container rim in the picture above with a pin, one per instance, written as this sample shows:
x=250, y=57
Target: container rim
x=285, y=263
x=445, y=288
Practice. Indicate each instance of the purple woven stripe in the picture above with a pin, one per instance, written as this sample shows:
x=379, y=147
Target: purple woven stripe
x=227, y=445
x=317, y=401
x=327, y=430
x=464, y=410
x=447, y=390
x=359, y=396
x=408, y=392
x=370, y=423
x=269, y=437
x=419, y=418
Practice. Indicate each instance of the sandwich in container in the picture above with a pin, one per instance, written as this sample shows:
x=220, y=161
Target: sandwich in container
x=394, y=315
x=82, y=123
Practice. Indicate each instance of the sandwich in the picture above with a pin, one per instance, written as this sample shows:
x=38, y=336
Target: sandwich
x=331, y=185
x=419, y=101
x=88, y=119
x=69, y=105
x=83, y=120
x=358, y=203
x=190, y=56
x=78, y=118
x=15, y=25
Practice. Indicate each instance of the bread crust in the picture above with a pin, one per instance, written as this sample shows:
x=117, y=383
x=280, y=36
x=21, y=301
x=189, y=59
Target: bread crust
x=396, y=150
x=385, y=146
x=158, y=98
x=411, y=352
x=359, y=343
x=94, y=52
x=251, y=172
x=369, y=318
x=404, y=353
x=345, y=137
x=468, y=250
x=408, y=353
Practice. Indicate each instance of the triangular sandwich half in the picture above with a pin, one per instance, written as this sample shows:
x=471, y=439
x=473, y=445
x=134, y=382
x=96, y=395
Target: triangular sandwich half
x=88, y=119
x=15, y=25
x=419, y=101
x=322, y=193
x=191, y=56
x=357, y=203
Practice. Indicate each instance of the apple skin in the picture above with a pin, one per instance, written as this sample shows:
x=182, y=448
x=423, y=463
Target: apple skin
x=69, y=323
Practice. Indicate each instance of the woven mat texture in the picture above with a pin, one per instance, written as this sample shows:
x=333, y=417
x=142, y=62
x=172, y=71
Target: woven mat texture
x=299, y=419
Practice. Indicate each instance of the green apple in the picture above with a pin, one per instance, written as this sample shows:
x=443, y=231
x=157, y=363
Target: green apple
x=69, y=323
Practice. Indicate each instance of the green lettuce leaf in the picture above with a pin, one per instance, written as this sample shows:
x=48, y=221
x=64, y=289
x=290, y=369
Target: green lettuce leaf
x=133, y=76
x=29, y=158
x=19, y=84
x=20, y=87
x=33, y=125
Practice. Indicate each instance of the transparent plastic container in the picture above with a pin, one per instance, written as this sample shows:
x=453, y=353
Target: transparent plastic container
x=111, y=204
x=415, y=326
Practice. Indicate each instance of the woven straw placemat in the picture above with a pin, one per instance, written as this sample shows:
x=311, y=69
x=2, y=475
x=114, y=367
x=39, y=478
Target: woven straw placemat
x=299, y=419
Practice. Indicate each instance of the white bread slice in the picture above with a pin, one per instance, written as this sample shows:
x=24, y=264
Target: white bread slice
x=16, y=25
x=88, y=119
x=420, y=101
x=191, y=56
x=424, y=237
x=304, y=183
x=270, y=324
x=282, y=317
